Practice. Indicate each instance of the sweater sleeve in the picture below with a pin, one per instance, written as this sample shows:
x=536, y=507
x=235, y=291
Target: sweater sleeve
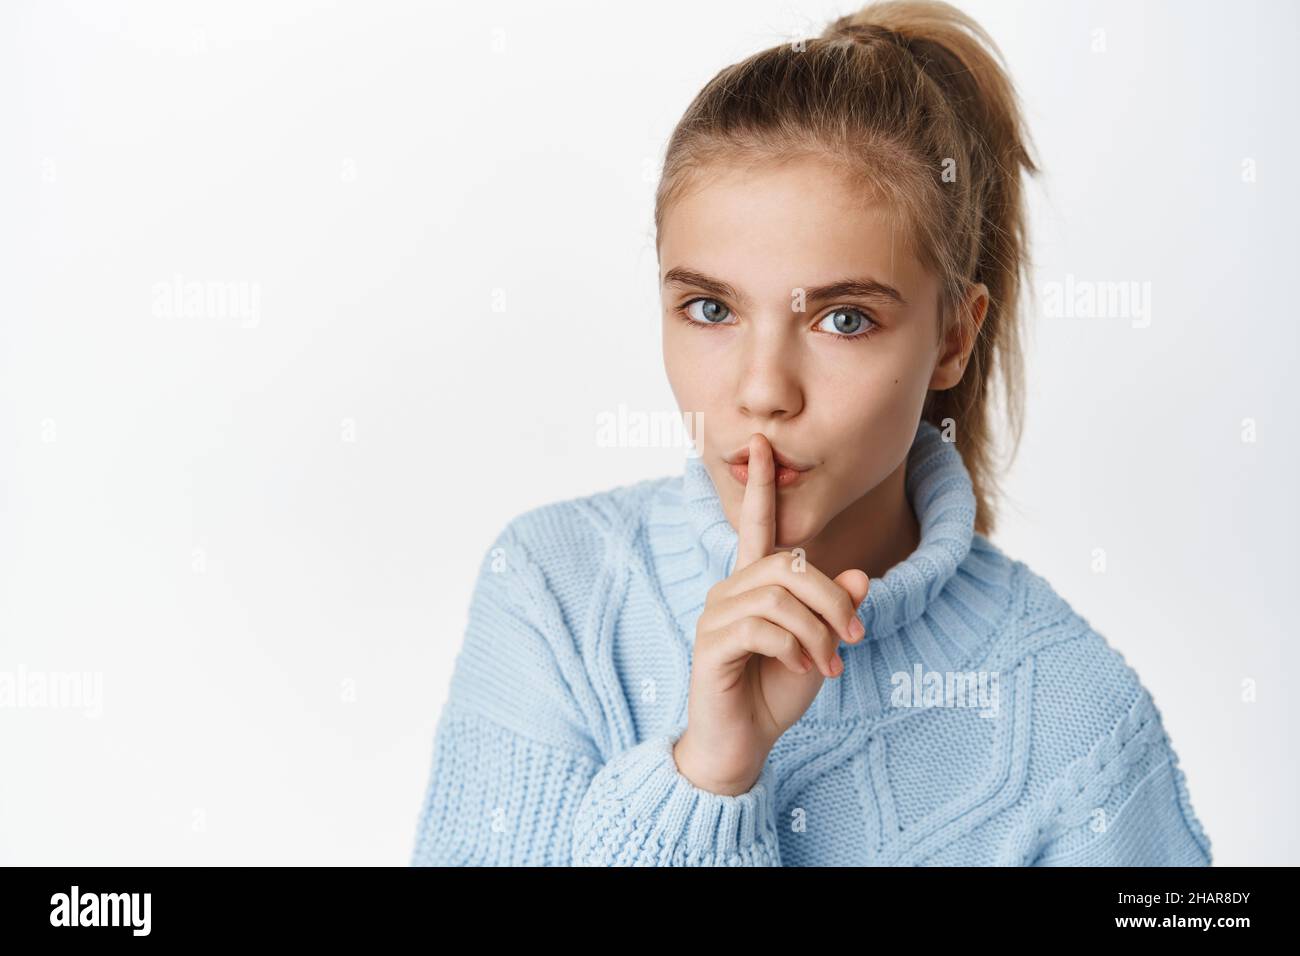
x=517, y=778
x=1125, y=804
x=640, y=810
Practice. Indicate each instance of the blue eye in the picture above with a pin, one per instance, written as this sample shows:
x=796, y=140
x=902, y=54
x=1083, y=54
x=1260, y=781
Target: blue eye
x=847, y=323
x=713, y=311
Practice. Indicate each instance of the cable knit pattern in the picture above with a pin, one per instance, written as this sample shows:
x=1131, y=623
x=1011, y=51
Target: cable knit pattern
x=982, y=721
x=1070, y=800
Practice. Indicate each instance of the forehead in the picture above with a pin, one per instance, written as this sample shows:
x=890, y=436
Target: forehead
x=782, y=225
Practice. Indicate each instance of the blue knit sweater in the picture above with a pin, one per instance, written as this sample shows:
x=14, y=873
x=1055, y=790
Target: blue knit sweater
x=981, y=722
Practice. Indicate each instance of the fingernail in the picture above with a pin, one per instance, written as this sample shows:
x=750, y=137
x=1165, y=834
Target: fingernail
x=857, y=629
x=837, y=666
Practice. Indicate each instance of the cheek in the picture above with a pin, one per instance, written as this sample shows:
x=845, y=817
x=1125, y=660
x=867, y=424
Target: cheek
x=869, y=419
x=687, y=369
x=861, y=401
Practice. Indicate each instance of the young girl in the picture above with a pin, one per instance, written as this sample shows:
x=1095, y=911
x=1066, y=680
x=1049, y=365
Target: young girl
x=804, y=649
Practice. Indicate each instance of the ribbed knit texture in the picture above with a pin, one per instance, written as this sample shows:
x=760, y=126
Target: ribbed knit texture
x=555, y=744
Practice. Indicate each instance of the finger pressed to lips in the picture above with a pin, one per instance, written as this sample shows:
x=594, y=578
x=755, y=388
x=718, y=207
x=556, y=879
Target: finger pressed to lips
x=757, y=530
x=758, y=562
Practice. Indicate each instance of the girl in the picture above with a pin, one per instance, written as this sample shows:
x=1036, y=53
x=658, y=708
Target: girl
x=805, y=649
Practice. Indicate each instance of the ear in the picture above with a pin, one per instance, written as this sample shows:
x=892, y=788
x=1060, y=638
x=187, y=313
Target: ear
x=957, y=344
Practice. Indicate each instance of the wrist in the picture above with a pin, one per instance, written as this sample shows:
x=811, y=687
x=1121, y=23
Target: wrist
x=704, y=776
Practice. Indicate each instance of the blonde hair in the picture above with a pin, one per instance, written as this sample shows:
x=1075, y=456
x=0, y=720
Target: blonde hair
x=910, y=99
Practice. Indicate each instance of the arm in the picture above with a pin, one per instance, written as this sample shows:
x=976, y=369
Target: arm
x=1124, y=804
x=516, y=778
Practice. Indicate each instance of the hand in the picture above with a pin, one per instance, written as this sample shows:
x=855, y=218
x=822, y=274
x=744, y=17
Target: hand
x=768, y=636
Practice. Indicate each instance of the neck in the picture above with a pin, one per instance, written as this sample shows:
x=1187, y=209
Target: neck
x=876, y=532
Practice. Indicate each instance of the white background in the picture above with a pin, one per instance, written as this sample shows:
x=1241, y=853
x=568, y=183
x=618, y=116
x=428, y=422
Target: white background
x=263, y=534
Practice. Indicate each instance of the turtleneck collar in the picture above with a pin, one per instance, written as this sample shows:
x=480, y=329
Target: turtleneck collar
x=943, y=499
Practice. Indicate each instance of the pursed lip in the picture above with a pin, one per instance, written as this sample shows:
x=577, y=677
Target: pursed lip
x=742, y=457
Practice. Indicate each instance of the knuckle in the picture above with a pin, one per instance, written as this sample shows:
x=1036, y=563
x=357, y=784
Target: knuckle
x=773, y=597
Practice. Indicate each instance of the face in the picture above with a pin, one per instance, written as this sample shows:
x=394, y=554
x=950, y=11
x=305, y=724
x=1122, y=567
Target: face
x=791, y=307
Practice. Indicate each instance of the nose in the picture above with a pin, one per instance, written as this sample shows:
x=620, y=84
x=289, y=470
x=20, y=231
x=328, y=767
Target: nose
x=770, y=386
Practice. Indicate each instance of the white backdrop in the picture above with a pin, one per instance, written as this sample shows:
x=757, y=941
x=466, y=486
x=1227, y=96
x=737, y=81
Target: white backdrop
x=422, y=240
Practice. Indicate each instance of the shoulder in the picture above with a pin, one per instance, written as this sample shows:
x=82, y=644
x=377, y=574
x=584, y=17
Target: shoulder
x=559, y=549
x=1083, y=688
x=596, y=517
x=521, y=663
x=573, y=532
x=1041, y=619
x=1096, y=737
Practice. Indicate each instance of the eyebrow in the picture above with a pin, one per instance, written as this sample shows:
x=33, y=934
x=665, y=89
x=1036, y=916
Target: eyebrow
x=865, y=288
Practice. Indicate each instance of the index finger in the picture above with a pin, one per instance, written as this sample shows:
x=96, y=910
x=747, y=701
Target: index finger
x=758, y=509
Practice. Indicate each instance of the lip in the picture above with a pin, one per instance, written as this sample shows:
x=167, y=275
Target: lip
x=789, y=472
x=741, y=456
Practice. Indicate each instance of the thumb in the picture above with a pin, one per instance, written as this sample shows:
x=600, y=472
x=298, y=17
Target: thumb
x=856, y=583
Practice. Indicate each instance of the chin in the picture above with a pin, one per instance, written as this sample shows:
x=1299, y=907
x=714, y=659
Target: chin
x=795, y=529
